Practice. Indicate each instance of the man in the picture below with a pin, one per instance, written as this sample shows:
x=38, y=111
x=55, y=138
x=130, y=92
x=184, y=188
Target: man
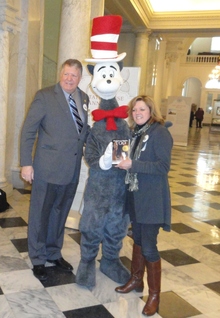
x=54, y=171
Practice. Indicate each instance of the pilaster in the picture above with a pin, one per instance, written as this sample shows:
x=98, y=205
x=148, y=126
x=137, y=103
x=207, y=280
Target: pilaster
x=160, y=67
x=173, y=54
x=10, y=15
x=140, y=55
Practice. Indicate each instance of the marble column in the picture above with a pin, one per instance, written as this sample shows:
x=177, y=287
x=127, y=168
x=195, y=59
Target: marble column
x=97, y=8
x=74, y=31
x=4, y=66
x=140, y=56
x=25, y=77
x=17, y=100
x=10, y=20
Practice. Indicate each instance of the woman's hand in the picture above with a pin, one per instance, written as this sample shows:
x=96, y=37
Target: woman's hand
x=125, y=164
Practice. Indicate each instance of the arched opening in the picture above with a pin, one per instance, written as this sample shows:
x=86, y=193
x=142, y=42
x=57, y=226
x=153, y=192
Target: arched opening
x=192, y=88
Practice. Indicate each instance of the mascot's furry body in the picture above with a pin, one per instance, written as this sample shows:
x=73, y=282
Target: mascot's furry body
x=103, y=220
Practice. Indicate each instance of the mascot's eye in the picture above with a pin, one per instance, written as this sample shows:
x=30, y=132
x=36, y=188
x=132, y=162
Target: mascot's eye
x=111, y=74
x=104, y=75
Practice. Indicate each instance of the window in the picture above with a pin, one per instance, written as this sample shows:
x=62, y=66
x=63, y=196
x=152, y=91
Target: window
x=209, y=103
x=157, y=45
x=215, y=44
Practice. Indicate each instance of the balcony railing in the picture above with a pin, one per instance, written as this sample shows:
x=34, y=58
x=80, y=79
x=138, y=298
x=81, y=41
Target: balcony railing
x=212, y=59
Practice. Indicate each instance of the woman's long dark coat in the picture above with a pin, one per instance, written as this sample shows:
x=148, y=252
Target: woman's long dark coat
x=152, y=202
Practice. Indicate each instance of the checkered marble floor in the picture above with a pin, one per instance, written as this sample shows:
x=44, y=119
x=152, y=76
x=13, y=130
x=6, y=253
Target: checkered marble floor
x=190, y=252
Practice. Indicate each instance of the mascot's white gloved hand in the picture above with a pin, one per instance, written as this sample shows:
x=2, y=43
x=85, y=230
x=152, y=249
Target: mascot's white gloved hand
x=105, y=162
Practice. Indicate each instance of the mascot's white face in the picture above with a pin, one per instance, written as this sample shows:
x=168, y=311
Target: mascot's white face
x=106, y=79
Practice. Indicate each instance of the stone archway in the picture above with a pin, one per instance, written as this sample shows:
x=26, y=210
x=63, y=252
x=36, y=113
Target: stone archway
x=192, y=88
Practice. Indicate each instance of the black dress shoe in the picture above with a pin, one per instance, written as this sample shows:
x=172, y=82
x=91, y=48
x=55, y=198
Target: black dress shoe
x=62, y=264
x=40, y=272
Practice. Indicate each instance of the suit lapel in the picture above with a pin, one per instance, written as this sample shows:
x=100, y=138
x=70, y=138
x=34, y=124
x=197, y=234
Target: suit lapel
x=61, y=99
x=84, y=101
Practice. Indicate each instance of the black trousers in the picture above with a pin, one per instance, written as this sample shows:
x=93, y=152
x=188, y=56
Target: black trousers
x=145, y=235
x=198, y=123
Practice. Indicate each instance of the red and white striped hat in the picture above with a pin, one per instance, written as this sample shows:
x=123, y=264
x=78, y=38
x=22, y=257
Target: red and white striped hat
x=104, y=38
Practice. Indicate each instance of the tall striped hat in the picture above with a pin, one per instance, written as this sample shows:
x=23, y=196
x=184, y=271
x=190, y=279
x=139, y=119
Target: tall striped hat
x=104, y=39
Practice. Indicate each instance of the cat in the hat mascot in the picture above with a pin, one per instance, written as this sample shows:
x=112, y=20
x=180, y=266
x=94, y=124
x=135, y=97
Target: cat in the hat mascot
x=103, y=222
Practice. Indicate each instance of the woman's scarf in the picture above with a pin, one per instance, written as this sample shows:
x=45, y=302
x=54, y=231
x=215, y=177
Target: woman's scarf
x=131, y=178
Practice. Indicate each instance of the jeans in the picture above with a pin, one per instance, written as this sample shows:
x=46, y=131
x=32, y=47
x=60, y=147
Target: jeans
x=145, y=235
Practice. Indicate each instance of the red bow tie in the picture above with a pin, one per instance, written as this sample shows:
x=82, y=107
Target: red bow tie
x=110, y=115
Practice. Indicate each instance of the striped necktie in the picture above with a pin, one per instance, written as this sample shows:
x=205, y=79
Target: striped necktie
x=75, y=112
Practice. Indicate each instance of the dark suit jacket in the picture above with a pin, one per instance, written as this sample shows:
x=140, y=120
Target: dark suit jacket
x=59, y=147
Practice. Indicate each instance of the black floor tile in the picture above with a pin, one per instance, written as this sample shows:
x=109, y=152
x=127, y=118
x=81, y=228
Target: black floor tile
x=98, y=311
x=214, y=286
x=182, y=208
x=185, y=194
x=213, y=247
x=191, y=156
x=217, y=193
x=182, y=228
x=126, y=261
x=12, y=222
x=57, y=277
x=24, y=191
x=177, y=257
x=21, y=244
x=76, y=237
x=213, y=205
x=187, y=184
x=214, y=222
x=173, y=306
x=192, y=163
x=186, y=175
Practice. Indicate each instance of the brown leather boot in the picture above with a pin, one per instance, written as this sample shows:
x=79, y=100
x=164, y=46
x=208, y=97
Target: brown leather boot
x=137, y=272
x=154, y=281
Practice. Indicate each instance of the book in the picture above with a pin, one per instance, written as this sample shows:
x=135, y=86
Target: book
x=120, y=151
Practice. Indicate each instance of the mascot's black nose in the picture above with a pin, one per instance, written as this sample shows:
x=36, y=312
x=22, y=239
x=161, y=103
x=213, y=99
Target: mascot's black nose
x=109, y=81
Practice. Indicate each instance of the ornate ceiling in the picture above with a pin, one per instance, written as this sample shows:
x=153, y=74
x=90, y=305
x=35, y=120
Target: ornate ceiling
x=164, y=16
x=187, y=5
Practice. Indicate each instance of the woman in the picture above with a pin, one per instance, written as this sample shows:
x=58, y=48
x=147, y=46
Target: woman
x=148, y=198
x=199, y=114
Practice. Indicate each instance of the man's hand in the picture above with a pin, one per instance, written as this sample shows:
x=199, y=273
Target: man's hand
x=27, y=173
